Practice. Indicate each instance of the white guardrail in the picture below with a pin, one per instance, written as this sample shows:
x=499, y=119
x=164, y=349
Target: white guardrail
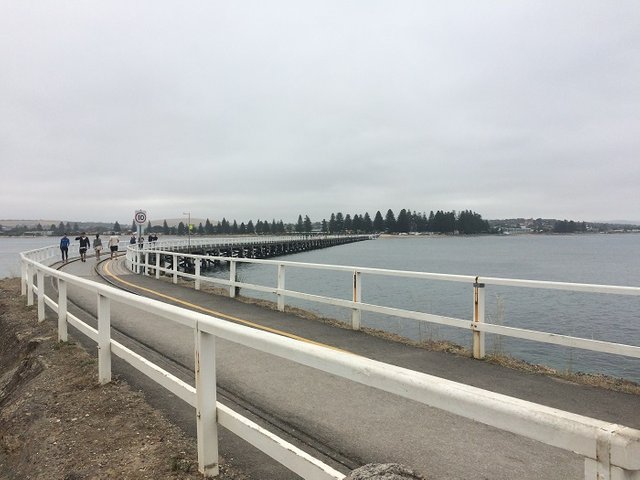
x=611, y=451
x=138, y=261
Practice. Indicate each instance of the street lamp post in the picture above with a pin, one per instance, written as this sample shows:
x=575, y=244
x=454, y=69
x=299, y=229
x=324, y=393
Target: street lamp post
x=188, y=231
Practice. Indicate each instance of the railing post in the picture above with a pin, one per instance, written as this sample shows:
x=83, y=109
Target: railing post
x=281, y=281
x=62, y=311
x=29, y=285
x=356, y=315
x=233, y=278
x=146, y=263
x=478, y=317
x=175, y=267
x=197, y=263
x=104, y=340
x=23, y=278
x=158, y=265
x=206, y=409
x=40, y=279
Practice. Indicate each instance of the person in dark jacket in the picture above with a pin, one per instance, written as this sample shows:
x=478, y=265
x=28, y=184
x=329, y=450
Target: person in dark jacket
x=85, y=243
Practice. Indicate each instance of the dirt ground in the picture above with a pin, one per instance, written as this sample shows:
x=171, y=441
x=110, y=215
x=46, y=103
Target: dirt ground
x=57, y=422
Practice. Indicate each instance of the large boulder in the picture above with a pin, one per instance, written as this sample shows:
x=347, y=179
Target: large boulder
x=383, y=471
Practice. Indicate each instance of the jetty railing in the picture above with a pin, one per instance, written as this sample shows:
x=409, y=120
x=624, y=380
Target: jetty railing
x=152, y=260
x=610, y=451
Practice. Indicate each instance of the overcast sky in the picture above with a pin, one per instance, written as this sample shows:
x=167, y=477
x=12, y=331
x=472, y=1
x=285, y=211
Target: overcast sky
x=254, y=109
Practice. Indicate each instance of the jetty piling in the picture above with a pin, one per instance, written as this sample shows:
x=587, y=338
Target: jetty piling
x=251, y=248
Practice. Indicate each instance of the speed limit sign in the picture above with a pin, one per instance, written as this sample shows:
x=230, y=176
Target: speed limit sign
x=140, y=217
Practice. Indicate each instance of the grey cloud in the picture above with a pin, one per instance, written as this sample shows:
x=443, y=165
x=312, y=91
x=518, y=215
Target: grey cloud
x=254, y=110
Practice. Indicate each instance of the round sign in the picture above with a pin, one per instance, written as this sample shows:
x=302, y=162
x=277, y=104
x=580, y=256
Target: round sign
x=140, y=217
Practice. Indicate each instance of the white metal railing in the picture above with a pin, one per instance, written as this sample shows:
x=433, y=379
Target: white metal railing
x=139, y=261
x=611, y=451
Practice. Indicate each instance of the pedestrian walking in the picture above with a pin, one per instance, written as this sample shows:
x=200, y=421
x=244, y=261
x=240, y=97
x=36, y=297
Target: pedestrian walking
x=85, y=243
x=97, y=246
x=132, y=240
x=64, y=248
x=114, y=240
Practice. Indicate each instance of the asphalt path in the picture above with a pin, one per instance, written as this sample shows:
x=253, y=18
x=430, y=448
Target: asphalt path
x=344, y=423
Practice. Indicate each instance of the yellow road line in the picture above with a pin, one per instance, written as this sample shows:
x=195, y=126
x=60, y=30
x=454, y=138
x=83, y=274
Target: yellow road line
x=214, y=312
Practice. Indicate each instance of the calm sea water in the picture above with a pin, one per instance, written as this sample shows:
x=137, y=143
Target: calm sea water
x=10, y=247
x=600, y=259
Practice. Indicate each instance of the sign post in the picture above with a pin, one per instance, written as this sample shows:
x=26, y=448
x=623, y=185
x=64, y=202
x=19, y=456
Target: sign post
x=140, y=218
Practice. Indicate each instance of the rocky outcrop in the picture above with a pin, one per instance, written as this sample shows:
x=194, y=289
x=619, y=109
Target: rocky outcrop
x=383, y=471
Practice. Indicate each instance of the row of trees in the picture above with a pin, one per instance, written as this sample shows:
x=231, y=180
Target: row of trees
x=564, y=226
x=407, y=221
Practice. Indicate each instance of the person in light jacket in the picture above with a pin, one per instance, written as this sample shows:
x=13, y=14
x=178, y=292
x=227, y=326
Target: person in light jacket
x=114, y=240
x=97, y=246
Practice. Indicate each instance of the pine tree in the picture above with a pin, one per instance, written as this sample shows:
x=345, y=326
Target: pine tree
x=356, y=223
x=378, y=222
x=348, y=223
x=390, y=221
x=339, y=222
x=367, y=224
x=402, y=223
x=208, y=227
x=332, y=223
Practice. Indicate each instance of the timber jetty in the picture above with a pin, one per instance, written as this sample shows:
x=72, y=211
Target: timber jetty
x=244, y=247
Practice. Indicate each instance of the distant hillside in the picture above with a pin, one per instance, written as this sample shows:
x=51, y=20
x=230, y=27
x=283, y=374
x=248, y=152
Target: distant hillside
x=29, y=223
x=541, y=225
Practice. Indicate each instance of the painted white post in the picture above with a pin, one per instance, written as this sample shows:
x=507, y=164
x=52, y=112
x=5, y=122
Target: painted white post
x=23, y=278
x=29, y=285
x=232, y=278
x=197, y=264
x=281, y=271
x=62, y=311
x=206, y=412
x=104, y=340
x=478, y=317
x=601, y=468
x=175, y=267
x=146, y=263
x=356, y=314
x=40, y=279
x=157, y=265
